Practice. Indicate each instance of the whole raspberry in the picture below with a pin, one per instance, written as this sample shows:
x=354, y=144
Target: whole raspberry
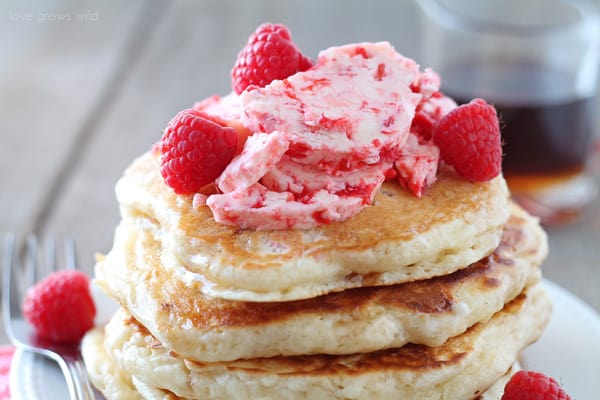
x=194, y=151
x=60, y=307
x=531, y=385
x=469, y=140
x=269, y=54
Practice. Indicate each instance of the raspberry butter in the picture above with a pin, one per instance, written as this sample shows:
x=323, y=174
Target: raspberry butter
x=314, y=147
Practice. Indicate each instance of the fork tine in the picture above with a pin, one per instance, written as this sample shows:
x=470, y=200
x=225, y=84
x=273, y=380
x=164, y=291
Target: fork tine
x=9, y=283
x=7, y=261
x=70, y=256
x=31, y=264
x=50, y=257
x=9, y=242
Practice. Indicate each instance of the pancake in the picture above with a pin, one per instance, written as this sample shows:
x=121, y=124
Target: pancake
x=399, y=238
x=427, y=312
x=462, y=368
x=104, y=374
x=496, y=391
x=493, y=393
x=116, y=384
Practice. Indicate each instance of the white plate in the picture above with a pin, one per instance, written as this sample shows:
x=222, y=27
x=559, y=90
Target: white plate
x=569, y=351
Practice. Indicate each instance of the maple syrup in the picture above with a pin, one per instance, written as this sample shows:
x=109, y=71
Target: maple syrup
x=546, y=127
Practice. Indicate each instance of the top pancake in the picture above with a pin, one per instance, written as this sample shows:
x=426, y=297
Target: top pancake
x=399, y=238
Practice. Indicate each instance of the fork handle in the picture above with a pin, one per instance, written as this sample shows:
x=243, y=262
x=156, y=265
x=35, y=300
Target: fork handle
x=78, y=382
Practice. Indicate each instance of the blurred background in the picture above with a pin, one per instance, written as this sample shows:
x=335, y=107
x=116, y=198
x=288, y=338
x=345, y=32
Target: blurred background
x=87, y=86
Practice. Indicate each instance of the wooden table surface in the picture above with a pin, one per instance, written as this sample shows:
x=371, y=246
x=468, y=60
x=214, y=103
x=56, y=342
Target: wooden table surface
x=87, y=86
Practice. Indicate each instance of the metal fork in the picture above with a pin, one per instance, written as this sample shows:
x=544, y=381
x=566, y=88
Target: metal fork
x=18, y=277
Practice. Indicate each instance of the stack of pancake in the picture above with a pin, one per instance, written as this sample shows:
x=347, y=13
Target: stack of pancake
x=413, y=298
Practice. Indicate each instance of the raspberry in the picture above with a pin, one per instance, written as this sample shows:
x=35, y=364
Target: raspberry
x=531, y=385
x=195, y=150
x=60, y=307
x=469, y=140
x=269, y=54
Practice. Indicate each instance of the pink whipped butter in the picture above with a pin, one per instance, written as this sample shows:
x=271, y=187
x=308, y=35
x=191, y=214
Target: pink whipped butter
x=323, y=141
